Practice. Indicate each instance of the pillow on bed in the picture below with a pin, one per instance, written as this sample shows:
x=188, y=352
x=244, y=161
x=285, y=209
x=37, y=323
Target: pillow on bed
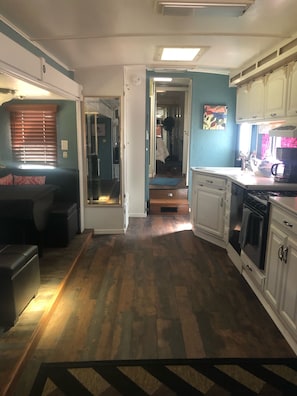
x=6, y=180
x=28, y=179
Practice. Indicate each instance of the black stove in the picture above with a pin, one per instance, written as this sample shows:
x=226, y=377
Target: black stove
x=255, y=220
x=260, y=199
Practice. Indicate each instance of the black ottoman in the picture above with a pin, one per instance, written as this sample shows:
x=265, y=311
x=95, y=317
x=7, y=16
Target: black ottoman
x=62, y=224
x=19, y=280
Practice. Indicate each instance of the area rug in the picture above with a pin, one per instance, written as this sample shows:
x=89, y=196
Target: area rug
x=165, y=181
x=186, y=377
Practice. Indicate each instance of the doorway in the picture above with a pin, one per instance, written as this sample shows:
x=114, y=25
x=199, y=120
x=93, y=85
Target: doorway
x=170, y=128
x=169, y=146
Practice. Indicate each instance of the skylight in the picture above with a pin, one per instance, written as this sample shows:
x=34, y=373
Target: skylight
x=163, y=79
x=179, y=54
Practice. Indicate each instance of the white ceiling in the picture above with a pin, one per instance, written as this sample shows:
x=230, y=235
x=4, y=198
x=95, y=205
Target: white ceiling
x=89, y=33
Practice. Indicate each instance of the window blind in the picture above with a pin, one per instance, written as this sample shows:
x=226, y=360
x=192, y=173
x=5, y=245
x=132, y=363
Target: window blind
x=34, y=133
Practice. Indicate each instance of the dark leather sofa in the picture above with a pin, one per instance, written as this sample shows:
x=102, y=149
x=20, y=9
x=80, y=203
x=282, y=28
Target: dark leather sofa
x=64, y=215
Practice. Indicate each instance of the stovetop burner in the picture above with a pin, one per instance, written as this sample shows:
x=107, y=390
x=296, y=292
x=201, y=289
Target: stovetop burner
x=265, y=195
x=260, y=199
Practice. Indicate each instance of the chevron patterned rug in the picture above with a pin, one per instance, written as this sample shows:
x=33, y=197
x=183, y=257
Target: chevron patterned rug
x=211, y=377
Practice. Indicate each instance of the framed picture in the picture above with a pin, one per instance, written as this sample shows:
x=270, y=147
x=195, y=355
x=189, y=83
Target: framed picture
x=215, y=117
x=101, y=129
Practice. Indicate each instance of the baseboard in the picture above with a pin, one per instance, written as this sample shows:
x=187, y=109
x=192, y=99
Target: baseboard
x=109, y=231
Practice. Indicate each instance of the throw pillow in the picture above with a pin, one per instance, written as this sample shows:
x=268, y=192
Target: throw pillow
x=28, y=179
x=6, y=180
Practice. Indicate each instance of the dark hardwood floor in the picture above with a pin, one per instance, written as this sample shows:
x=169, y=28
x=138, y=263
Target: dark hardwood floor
x=156, y=292
x=17, y=342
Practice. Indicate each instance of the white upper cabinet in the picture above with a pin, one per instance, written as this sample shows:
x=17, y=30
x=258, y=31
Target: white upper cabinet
x=20, y=62
x=65, y=85
x=250, y=101
x=256, y=99
x=16, y=59
x=242, y=108
x=275, y=94
x=292, y=90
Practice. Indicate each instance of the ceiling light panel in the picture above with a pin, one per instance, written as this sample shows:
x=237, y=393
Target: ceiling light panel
x=179, y=54
x=163, y=79
x=207, y=7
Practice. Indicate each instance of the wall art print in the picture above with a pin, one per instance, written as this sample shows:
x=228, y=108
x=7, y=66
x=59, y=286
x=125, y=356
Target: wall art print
x=215, y=117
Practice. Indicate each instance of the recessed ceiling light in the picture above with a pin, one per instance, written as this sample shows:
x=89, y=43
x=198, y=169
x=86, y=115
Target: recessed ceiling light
x=179, y=54
x=163, y=79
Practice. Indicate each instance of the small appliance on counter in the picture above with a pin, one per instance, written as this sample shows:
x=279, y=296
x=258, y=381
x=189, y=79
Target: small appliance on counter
x=287, y=129
x=286, y=170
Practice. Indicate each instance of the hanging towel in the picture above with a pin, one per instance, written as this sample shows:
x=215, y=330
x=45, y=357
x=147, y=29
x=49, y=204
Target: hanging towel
x=162, y=152
x=243, y=235
x=254, y=229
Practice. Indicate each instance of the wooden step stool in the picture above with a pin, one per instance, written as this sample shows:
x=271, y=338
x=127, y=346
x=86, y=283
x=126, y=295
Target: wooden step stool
x=169, y=201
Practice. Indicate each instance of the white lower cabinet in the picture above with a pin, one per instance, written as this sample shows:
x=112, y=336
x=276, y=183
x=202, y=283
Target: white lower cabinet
x=210, y=211
x=276, y=286
x=209, y=208
x=281, y=269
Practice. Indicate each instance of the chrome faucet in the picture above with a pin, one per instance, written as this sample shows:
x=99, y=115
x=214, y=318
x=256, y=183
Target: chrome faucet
x=243, y=157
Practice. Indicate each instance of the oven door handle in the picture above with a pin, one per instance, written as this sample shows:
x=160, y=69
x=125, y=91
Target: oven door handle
x=281, y=253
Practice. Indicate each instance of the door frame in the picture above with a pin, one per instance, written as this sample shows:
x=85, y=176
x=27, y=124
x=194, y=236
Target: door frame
x=187, y=124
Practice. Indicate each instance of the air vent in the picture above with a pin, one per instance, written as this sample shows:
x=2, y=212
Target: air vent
x=281, y=55
x=234, y=78
x=231, y=8
x=248, y=70
x=267, y=58
x=288, y=47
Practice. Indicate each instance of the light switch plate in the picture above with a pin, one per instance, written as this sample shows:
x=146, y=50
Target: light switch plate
x=64, y=144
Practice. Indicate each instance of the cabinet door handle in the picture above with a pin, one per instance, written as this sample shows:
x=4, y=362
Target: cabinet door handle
x=280, y=252
x=285, y=255
x=222, y=202
x=286, y=223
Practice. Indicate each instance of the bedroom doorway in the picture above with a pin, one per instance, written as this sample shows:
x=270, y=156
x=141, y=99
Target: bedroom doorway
x=170, y=128
x=169, y=146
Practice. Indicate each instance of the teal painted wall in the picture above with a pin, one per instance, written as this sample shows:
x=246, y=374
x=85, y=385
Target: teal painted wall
x=212, y=147
x=66, y=130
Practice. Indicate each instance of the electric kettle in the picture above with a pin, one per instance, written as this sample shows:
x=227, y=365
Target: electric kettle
x=278, y=169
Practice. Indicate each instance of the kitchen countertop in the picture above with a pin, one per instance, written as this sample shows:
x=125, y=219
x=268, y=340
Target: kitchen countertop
x=247, y=179
x=288, y=203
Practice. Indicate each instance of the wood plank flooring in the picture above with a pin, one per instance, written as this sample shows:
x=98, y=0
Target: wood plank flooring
x=16, y=342
x=156, y=292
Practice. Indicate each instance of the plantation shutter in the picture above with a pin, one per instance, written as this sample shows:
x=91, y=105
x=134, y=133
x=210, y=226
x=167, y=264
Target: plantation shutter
x=34, y=133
